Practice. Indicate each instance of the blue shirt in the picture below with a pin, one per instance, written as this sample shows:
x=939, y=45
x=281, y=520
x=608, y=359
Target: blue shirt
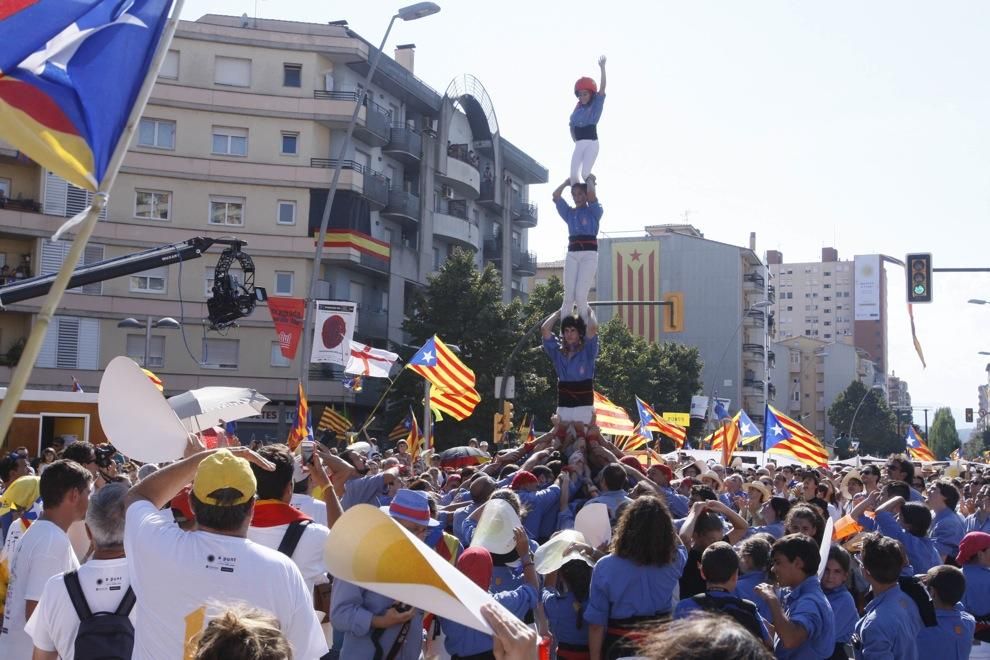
x=921, y=551
x=538, y=505
x=461, y=640
x=806, y=606
x=775, y=530
x=581, y=221
x=677, y=503
x=889, y=627
x=688, y=606
x=951, y=639
x=565, y=615
x=973, y=524
x=363, y=490
x=621, y=589
x=845, y=613
x=588, y=115
x=947, y=529
x=576, y=366
x=351, y=611
x=746, y=588
x=976, y=600
x=611, y=499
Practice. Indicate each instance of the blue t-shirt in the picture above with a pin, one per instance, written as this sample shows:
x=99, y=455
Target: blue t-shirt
x=581, y=221
x=612, y=499
x=806, y=606
x=464, y=641
x=565, y=615
x=577, y=366
x=677, y=503
x=976, y=600
x=775, y=530
x=746, y=588
x=538, y=505
x=947, y=529
x=921, y=551
x=951, y=639
x=845, y=613
x=588, y=115
x=689, y=605
x=363, y=490
x=974, y=524
x=621, y=589
x=889, y=627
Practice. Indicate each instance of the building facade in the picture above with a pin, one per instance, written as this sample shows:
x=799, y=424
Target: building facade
x=241, y=137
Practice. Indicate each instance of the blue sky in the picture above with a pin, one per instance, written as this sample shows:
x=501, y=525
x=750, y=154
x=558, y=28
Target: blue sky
x=862, y=126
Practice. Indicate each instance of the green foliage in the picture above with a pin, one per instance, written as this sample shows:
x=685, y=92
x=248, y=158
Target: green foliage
x=943, y=438
x=876, y=425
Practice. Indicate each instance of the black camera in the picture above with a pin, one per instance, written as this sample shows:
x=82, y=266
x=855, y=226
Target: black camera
x=105, y=454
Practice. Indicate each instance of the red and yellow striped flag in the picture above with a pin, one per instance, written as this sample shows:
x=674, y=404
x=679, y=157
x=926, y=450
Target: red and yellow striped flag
x=610, y=418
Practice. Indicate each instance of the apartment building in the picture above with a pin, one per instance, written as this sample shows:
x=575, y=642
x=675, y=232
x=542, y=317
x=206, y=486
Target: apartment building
x=240, y=138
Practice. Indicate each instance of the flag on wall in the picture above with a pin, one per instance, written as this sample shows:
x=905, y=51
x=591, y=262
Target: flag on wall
x=636, y=276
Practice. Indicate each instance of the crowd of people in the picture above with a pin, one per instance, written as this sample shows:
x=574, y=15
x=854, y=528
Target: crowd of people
x=220, y=555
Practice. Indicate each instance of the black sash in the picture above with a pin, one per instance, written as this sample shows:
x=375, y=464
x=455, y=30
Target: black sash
x=582, y=243
x=584, y=132
x=575, y=393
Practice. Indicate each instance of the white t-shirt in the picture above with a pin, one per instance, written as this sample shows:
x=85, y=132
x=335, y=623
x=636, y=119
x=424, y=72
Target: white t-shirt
x=183, y=579
x=308, y=555
x=42, y=552
x=79, y=538
x=54, y=624
x=311, y=506
x=14, y=532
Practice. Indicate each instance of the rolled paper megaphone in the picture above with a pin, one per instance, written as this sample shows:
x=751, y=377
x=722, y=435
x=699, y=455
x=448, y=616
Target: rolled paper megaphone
x=496, y=529
x=368, y=548
x=559, y=550
x=592, y=521
x=135, y=416
x=826, y=546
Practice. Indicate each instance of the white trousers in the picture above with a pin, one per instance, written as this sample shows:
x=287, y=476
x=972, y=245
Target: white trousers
x=581, y=414
x=580, y=269
x=585, y=153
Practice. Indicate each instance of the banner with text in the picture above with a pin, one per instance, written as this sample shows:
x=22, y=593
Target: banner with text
x=287, y=313
x=333, y=331
x=866, y=290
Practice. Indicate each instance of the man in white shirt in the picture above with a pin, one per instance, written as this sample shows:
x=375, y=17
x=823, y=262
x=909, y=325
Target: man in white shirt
x=274, y=516
x=183, y=579
x=43, y=551
x=103, y=579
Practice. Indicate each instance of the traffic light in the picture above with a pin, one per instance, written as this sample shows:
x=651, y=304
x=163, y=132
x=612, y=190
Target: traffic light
x=673, y=316
x=919, y=278
x=507, y=409
x=497, y=428
x=969, y=414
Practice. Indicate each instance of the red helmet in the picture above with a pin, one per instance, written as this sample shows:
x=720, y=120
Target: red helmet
x=586, y=84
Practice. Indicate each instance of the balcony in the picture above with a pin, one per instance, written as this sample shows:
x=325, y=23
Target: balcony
x=772, y=293
x=372, y=325
x=523, y=263
x=488, y=196
x=374, y=121
x=404, y=144
x=461, y=173
x=524, y=214
x=753, y=282
x=754, y=319
x=402, y=206
x=450, y=222
x=405, y=262
x=753, y=384
x=373, y=185
x=754, y=350
x=526, y=265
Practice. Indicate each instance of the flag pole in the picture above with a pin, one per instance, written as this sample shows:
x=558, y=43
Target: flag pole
x=22, y=373
x=371, y=415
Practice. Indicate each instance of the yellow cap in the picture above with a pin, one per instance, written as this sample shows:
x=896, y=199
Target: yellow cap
x=222, y=469
x=21, y=494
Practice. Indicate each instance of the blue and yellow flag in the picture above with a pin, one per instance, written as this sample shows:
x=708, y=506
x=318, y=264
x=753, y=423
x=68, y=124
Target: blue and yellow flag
x=70, y=74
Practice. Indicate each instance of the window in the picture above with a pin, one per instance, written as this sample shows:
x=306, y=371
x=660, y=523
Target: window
x=227, y=211
x=71, y=343
x=292, y=75
x=233, y=71
x=283, y=283
x=286, y=212
x=152, y=204
x=279, y=360
x=65, y=200
x=170, y=66
x=150, y=281
x=156, y=350
x=4, y=187
x=236, y=273
x=53, y=253
x=157, y=133
x=230, y=141
x=290, y=144
x=220, y=353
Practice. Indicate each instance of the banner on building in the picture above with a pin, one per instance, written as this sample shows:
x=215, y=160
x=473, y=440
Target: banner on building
x=699, y=406
x=866, y=288
x=333, y=331
x=636, y=276
x=287, y=313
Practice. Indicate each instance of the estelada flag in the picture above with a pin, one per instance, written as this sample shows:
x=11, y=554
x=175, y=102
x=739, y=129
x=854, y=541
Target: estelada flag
x=651, y=421
x=70, y=74
x=786, y=436
x=453, y=381
x=610, y=418
x=916, y=446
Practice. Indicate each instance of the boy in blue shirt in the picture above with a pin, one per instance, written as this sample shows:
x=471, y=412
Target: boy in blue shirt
x=581, y=263
x=952, y=638
x=891, y=621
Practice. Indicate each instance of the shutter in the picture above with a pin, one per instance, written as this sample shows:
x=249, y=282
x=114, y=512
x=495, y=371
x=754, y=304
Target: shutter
x=88, y=350
x=233, y=71
x=52, y=256
x=46, y=357
x=91, y=255
x=220, y=353
x=67, y=343
x=55, y=191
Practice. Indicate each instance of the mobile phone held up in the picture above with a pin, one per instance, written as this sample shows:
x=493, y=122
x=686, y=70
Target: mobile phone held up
x=307, y=452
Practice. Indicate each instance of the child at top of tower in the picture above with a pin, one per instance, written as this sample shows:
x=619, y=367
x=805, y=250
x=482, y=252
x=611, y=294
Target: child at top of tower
x=584, y=124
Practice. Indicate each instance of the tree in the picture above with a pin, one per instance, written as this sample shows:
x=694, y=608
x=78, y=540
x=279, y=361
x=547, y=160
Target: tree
x=943, y=438
x=876, y=426
x=979, y=442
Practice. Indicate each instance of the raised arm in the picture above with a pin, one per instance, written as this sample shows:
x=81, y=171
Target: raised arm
x=547, y=327
x=592, y=330
x=560, y=190
x=601, y=66
x=591, y=181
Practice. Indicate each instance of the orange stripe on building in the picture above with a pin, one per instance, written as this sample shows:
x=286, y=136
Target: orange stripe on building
x=345, y=238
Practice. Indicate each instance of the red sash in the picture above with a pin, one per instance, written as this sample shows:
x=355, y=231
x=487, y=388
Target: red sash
x=273, y=513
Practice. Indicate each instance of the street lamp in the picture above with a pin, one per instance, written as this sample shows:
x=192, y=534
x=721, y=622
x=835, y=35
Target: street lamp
x=147, y=325
x=408, y=13
x=757, y=306
x=856, y=412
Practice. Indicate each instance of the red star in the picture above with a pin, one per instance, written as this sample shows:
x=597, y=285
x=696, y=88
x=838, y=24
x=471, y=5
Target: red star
x=635, y=254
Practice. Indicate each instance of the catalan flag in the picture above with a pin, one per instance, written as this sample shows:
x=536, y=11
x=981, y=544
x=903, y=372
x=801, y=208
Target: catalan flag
x=786, y=436
x=303, y=428
x=651, y=421
x=916, y=446
x=748, y=432
x=633, y=442
x=453, y=381
x=155, y=380
x=333, y=420
x=401, y=430
x=70, y=74
x=610, y=418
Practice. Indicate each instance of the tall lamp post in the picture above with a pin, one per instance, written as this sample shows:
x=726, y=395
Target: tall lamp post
x=147, y=325
x=409, y=13
x=861, y=402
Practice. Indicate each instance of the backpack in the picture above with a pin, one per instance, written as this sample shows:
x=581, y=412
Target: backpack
x=103, y=635
x=291, y=538
x=743, y=611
